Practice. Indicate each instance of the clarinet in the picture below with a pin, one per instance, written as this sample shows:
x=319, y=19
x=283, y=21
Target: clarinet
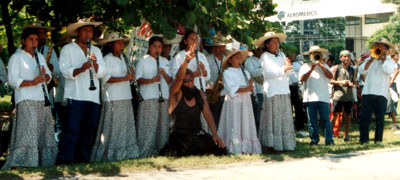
x=246, y=78
x=201, y=72
x=92, y=86
x=46, y=97
x=140, y=98
x=160, y=96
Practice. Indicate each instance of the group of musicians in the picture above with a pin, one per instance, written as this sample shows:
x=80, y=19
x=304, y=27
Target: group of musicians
x=226, y=102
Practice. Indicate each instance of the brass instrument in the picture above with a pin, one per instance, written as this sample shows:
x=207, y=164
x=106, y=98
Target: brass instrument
x=46, y=96
x=376, y=52
x=259, y=79
x=316, y=57
x=216, y=91
x=53, y=82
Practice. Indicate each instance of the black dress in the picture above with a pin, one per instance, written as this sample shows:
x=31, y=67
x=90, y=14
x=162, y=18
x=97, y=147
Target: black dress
x=187, y=137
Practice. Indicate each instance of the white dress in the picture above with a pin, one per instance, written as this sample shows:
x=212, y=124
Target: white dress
x=237, y=125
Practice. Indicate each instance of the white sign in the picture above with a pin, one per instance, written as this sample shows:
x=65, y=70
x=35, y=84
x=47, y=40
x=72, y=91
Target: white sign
x=138, y=45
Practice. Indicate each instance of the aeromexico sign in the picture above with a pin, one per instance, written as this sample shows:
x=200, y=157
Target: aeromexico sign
x=282, y=15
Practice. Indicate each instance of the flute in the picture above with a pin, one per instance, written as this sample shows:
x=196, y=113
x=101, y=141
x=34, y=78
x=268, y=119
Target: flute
x=201, y=72
x=140, y=98
x=46, y=97
x=160, y=96
x=92, y=86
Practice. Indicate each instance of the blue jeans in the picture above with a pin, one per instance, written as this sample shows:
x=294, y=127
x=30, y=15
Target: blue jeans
x=376, y=104
x=78, y=131
x=322, y=108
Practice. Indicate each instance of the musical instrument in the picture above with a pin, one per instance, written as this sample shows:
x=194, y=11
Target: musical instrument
x=216, y=91
x=46, y=97
x=316, y=57
x=92, y=86
x=53, y=82
x=201, y=72
x=160, y=96
x=259, y=79
x=133, y=82
x=246, y=78
x=376, y=52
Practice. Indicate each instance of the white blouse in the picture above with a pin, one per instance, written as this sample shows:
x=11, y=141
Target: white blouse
x=77, y=88
x=116, y=67
x=22, y=66
x=180, y=57
x=146, y=68
x=233, y=80
x=276, y=80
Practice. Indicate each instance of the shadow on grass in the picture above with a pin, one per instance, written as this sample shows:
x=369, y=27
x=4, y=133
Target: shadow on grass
x=101, y=169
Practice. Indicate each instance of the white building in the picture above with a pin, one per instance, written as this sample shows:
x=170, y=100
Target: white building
x=362, y=17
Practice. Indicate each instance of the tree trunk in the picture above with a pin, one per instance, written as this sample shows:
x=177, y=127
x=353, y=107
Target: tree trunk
x=7, y=23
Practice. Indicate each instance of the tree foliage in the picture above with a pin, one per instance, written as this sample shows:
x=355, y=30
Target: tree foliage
x=242, y=19
x=391, y=30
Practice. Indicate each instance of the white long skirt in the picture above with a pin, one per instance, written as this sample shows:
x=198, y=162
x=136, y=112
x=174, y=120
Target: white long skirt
x=237, y=125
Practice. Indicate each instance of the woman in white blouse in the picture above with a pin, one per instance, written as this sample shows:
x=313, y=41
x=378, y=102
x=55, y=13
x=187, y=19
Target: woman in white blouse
x=276, y=124
x=32, y=140
x=152, y=74
x=237, y=125
x=116, y=134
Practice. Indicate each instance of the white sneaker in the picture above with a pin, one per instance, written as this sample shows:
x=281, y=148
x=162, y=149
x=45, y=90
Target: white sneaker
x=395, y=127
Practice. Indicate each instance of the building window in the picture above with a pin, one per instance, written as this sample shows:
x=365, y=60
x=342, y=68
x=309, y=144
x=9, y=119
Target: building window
x=377, y=18
x=352, y=20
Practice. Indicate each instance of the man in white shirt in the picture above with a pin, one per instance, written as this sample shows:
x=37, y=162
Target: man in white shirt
x=375, y=93
x=214, y=61
x=316, y=76
x=82, y=101
x=253, y=65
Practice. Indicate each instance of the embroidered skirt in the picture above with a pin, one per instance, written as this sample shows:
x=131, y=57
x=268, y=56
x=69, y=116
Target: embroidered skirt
x=276, y=123
x=153, y=127
x=116, y=134
x=33, y=140
x=237, y=125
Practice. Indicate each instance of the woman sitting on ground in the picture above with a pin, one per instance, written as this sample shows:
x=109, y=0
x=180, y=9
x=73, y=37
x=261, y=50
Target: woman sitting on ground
x=186, y=103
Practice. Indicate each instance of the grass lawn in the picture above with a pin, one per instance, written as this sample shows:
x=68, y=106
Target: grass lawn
x=303, y=150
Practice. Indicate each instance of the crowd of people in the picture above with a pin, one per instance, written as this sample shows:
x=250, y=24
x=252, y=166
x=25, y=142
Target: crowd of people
x=193, y=102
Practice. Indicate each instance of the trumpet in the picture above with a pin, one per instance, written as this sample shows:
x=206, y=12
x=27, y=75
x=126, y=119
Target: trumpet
x=160, y=96
x=46, y=97
x=376, y=52
x=92, y=86
x=316, y=57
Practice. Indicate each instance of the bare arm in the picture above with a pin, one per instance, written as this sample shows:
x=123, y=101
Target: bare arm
x=210, y=121
x=305, y=76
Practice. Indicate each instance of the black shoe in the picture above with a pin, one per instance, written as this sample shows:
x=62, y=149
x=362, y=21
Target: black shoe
x=313, y=144
x=330, y=143
x=346, y=139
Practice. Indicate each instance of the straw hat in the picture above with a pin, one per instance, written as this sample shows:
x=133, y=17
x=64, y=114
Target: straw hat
x=269, y=35
x=383, y=41
x=176, y=40
x=316, y=48
x=219, y=40
x=38, y=24
x=110, y=36
x=244, y=53
x=81, y=22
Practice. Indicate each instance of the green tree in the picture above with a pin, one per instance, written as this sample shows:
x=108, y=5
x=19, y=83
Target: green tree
x=243, y=19
x=389, y=31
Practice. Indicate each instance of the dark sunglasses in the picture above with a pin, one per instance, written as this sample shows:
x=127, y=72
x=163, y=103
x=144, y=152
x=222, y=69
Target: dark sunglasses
x=188, y=80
